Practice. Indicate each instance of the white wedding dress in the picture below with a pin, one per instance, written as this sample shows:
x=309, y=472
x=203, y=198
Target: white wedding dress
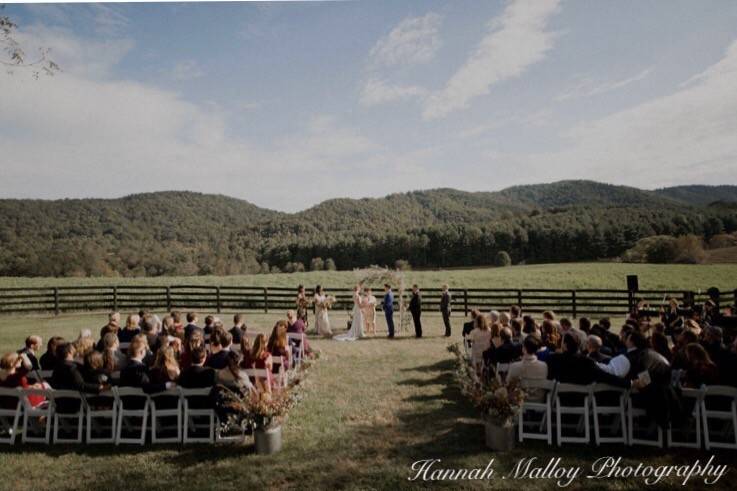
x=356, y=330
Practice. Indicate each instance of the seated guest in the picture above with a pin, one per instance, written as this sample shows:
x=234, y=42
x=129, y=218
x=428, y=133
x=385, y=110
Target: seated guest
x=12, y=376
x=197, y=375
x=550, y=340
x=516, y=326
x=593, y=349
x=209, y=322
x=566, y=327
x=29, y=352
x=723, y=357
x=572, y=367
x=220, y=341
x=297, y=326
x=150, y=326
x=700, y=369
x=529, y=367
x=504, y=319
x=261, y=358
x=480, y=339
x=496, y=338
x=167, y=326
x=113, y=325
x=232, y=376
x=515, y=312
x=659, y=343
x=142, y=341
x=584, y=324
x=191, y=326
x=68, y=376
x=136, y=373
x=469, y=326
x=507, y=352
x=679, y=358
x=177, y=325
x=279, y=346
x=166, y=368
x=93, y=370
x=113, y=360
x=83, y=345
x=48, y=359
x=246, y=361
x=131, y=329
x=197, y=340
x=239, y=328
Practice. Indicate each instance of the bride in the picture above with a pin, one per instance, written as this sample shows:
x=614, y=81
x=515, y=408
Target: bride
x=356, y=331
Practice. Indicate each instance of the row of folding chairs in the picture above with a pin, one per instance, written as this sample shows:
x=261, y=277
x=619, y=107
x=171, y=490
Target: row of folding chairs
x=121, y=415
x=616, y=416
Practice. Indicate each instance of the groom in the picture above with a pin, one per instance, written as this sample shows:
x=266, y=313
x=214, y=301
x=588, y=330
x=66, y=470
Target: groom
x=388, y=306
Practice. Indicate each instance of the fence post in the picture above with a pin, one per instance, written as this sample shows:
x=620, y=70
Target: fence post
x=217, y=297
x=56, y=301
x=573, y=302
x=266, y=300
x=168, y=298
x=465, y=302
x=519, y=298
x=115, y=299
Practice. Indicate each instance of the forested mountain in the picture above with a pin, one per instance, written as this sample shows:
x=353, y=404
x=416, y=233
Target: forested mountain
x=191, y=233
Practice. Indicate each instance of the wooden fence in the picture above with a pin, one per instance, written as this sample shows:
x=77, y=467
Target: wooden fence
x=575, y=303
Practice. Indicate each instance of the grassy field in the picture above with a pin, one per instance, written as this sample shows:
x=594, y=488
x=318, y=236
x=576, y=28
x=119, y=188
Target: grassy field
x=566, y=275
x=373, y=407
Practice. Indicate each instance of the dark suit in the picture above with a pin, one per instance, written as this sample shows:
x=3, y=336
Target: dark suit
x=31, y=358
x=237, y=333
x=127, y=335
x=190, y=328
x=507, y=352
x=415, y=308
x=196, y=377
x=218, y=361
x=136, y=374
x=658, y=398
x=48, y=361
x=388, y=306
x=579, y=369
x=67, y=376
x=445, y=310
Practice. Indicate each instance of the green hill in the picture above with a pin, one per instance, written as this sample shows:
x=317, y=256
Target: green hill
x=187, y=233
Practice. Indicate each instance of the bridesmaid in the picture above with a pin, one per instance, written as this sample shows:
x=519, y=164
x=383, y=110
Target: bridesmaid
x=368, y=306
x=302, y=305
x=322, y=304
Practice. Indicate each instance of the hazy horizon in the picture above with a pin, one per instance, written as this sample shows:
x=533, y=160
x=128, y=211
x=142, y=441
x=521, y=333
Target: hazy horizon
x=286, y=105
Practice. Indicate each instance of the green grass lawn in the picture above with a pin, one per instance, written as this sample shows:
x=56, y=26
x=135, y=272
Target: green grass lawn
x=566, y=275
x=373, y=407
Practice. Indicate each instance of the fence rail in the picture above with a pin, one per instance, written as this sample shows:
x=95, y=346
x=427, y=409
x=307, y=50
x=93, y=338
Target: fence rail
x=233, y=298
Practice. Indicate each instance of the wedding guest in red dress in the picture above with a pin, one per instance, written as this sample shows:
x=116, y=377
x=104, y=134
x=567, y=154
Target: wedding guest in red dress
x=11, y=377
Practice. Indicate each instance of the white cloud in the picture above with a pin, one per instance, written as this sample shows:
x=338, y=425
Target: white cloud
x=586, y=87
x=377, y=91
x=414, y=40
x=516, y=40
x=684, y=137
x=187, y=70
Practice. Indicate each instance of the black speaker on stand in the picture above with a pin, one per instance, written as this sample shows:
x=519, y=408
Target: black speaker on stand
x=633, y=286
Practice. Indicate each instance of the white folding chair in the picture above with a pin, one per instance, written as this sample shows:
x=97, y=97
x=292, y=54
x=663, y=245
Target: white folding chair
x=298, y=339
x=193, y=414
x=467, y=345
x=45, y=374
x=581, y=392
x=123, y=347
x=133, y=404
x=692, y=426
x=544, y=408
x=608, y=402
x=10, y=417
x=101, y=410
x=40, y=416
x=634, y=414
x=166, y=407
x=719, y=404
x=258, y=374
x=71, y=421
x=281, y=376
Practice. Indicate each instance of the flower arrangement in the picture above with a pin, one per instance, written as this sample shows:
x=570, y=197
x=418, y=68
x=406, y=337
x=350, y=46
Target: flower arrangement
x=498, y=402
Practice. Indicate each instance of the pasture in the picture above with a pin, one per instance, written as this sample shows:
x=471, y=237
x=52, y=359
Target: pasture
x=373, y=407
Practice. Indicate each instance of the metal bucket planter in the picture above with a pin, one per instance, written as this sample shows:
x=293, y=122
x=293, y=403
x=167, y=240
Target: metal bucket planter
x=268, y=440
x=499, y=438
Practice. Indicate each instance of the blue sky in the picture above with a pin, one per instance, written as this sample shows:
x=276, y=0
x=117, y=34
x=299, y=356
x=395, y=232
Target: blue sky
x=288, y=104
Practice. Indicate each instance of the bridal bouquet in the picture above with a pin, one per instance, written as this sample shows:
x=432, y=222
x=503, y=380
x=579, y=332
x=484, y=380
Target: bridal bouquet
x=329, y=301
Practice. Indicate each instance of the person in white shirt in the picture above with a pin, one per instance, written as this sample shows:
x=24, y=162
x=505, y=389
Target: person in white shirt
x=529, y=367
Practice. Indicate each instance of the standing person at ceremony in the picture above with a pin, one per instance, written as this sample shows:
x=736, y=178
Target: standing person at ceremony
x=322, y=321
x=415, y=307
x=388, y=306
x=445, y=301
x=303, y=305
x=369, y=312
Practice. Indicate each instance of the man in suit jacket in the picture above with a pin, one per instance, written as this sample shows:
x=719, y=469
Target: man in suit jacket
x=507, y=352
x=198, y=376
x=388, y=306
x=220, y=342
x=572, y=367
x=239, y=328
x=28, y=353
x=191, y=325
x=445, y=301
x=67, y=376
x=136, y=373
x=415, y=308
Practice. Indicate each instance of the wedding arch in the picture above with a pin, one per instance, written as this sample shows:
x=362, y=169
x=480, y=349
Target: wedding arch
x=376, y=275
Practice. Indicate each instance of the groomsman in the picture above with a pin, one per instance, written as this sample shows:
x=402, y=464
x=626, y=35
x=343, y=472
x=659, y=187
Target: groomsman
x=445, y=309
x=415, y=307
x=388, y=306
